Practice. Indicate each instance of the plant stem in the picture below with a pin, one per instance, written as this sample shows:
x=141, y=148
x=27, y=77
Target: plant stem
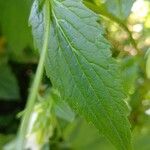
x=36, y=83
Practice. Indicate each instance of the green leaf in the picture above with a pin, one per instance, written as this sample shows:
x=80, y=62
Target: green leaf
x=80, y=66
x=141, y=140
x=75, y=132
x=119, y=8
x=61, y=108
x=8, y=84
x=63, y=111
x=14, y=26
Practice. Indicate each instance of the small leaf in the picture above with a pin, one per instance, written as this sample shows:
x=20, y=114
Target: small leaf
x=63, y=111
x=81, y=68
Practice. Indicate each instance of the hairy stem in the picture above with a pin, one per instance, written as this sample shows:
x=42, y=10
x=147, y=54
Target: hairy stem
x=37, y=80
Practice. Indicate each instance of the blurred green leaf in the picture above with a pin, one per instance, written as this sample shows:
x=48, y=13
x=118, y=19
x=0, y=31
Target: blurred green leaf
x=61, y=108
x=64, y=111
x=119, y=8
x=14, y=25
x=130, y=73
x=83, y=136
x=8, y=84
x=142, y=140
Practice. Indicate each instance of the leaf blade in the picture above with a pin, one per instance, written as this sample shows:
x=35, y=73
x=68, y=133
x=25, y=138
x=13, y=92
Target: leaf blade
x=80, y=66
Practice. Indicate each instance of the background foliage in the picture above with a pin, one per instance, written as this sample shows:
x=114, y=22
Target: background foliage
x=55, y=125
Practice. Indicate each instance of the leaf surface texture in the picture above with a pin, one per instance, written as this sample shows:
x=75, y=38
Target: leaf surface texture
x=80, y=66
